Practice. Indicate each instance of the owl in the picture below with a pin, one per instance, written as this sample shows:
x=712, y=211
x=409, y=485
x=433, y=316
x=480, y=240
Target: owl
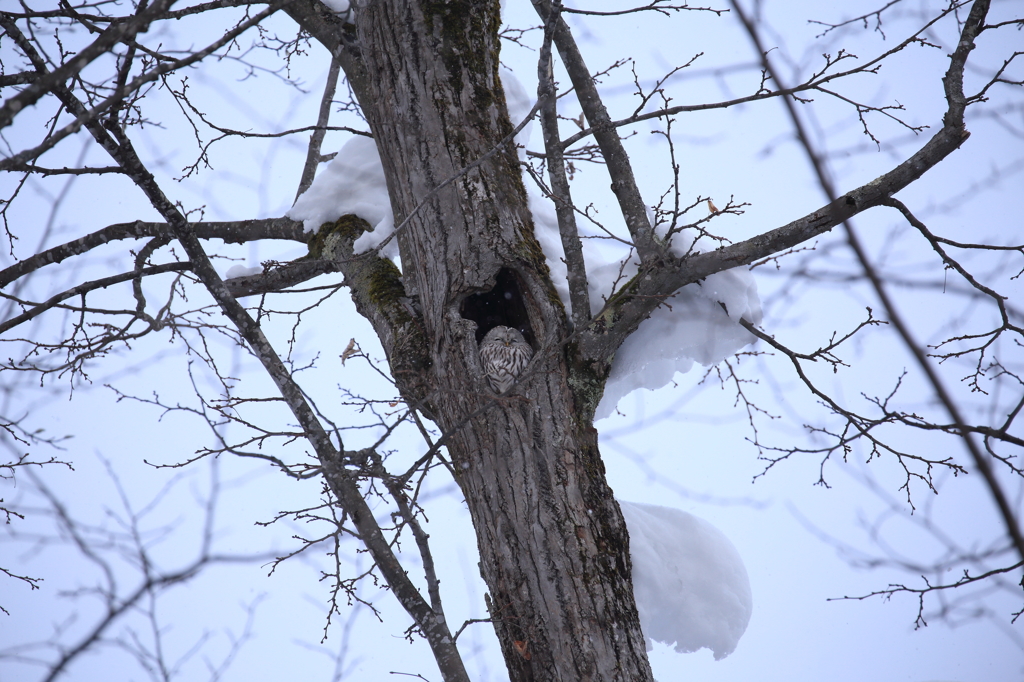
x=504, y=354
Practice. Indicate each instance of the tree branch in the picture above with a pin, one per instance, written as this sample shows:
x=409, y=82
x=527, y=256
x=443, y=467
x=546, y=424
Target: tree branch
x=624, y=186
x=814, y=82
x=579, y=295
x=342, y=481
x=332, y=31
x=86, y=287
x=89, y=117
x=235, y=232
x=317, y=138
x=953, y=121
x=651, y=287
x=44, y=83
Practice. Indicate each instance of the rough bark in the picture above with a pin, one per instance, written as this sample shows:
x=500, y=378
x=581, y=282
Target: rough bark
x=554, y=549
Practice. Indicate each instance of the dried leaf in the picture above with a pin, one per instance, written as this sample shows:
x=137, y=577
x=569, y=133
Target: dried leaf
x=712, y=207
x=521, y=648
x=349, y=351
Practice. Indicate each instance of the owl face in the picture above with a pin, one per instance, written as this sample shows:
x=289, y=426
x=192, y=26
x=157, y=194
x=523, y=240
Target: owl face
x=506, y=336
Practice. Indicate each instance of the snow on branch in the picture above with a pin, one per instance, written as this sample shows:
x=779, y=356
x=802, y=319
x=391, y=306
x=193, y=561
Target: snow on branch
x=690, y=584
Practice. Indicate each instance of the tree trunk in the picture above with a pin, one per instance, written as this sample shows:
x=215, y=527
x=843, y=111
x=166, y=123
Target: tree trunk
x=553, y=544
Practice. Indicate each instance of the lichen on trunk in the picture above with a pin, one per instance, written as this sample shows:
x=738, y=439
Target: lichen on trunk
x=553, y=545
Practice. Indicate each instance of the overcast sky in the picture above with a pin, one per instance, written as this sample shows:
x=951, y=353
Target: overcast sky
x=685, y=446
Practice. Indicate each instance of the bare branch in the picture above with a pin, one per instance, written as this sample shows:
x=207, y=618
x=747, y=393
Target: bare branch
x=84, y=288
x=239, y=231
x=814, y=82
x=579, y=294
x=920, y=592
x=44, y=83
x=953, y=121
x=88, y=117
x=624, y=186
x=316, y=139
x=280, y=276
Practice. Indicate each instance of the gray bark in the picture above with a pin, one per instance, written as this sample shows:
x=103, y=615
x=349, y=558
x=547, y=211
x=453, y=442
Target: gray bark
x=553, y=545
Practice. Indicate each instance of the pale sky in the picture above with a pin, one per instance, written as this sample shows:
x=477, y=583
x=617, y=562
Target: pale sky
x=684, y=446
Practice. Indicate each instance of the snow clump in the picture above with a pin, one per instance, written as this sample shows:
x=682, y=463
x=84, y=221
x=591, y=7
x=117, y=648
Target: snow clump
x=352, y=183
x=690, y=584
x=236, y=271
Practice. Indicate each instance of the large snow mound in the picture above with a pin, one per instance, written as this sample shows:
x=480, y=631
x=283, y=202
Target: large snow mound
x=690, y=326
x=690, y=584
x=353, y=183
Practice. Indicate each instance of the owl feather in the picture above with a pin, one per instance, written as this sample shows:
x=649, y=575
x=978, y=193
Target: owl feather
x=504, y=355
